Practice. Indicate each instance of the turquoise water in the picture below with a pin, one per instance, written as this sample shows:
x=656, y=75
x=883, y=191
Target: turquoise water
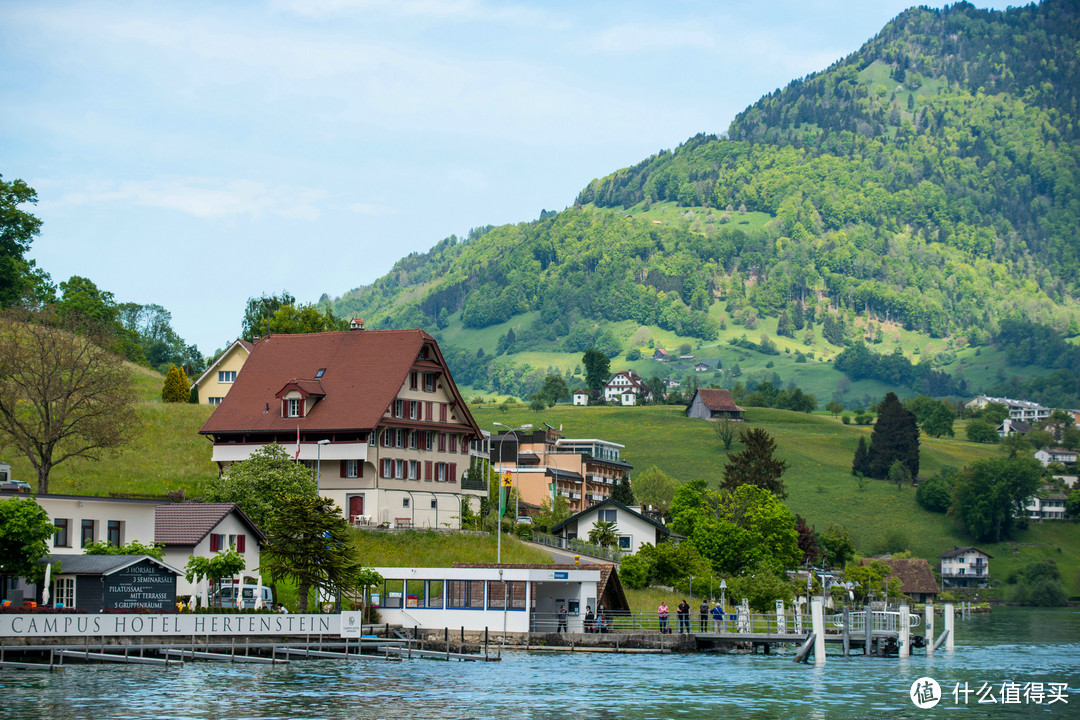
x=1018, y=645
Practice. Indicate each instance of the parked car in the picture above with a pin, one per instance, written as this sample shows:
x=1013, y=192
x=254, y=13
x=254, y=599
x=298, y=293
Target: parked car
x=227, y=596
x=19, y=486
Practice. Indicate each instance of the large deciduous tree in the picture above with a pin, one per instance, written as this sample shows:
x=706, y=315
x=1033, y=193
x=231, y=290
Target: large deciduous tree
x=61, y=394
x=654, y=487
x=256, y=483
x=597, y=368
x=755, y=464
x=989, y=497
x=895, y=437
x=25, y=529
x=17, y=230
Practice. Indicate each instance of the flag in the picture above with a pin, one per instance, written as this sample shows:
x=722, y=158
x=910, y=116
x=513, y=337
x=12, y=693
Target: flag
x=297, y=455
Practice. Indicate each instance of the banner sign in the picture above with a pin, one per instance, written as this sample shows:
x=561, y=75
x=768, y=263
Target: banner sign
x=110, y=625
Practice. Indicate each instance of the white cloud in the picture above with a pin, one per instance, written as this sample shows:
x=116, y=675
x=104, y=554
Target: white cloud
x=205, y=198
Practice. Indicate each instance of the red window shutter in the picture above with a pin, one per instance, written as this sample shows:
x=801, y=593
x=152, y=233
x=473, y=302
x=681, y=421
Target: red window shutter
x=442, y=442
x=453, y=443
x=430, y=411
x=360, y=472
x=427, y=469
x=300, y=405
x=442, y=412
x=413, y=380
x=213, y=543
x=344, y=465
x=240, y=543
x=453, y=472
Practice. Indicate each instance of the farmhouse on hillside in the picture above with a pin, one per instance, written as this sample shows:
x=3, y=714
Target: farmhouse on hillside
x=626, y=388
x=714, y=404
x=375, y=413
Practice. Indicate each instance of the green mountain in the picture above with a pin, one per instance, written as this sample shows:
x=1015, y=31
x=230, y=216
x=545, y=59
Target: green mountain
x=919, y=193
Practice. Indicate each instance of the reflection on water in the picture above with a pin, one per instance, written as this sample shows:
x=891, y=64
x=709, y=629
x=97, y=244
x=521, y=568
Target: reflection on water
x=1010, y=644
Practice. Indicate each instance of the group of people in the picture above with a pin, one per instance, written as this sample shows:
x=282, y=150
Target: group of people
x=594, y=622
x=682, y=613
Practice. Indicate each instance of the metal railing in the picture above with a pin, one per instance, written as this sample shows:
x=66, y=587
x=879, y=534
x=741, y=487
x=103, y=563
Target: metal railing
x=880, y=621
x=579, y=547
x=650, y=623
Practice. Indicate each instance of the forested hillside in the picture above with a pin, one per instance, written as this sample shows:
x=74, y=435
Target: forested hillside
x=928, y=181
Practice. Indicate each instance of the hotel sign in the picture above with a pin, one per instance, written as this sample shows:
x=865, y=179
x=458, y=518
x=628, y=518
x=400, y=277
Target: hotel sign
x=178, y=625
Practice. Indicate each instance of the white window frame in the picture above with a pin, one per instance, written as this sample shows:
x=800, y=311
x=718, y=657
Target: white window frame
x=215, y=401
x=352, y=468
x=414, y=469
x=63, y=592
x=226, y=376
x=399, y=469
x=292, y=407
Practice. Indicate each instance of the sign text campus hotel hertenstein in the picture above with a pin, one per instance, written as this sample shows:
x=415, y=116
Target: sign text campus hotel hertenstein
x=345, y=624
x=143, y=585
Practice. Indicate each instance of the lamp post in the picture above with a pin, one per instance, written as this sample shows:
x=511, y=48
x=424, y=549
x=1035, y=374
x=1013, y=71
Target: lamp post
x=723, y=604
x=318, y=462
x=517, y=447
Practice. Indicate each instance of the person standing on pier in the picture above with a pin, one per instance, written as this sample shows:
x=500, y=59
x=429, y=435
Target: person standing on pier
x=589, y=618
x=718, y=617
x=703, y=616
x=562, y=619
x=684, y=616
x=662, y=612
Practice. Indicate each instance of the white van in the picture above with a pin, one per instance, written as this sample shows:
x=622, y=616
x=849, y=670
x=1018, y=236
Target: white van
x=227, y=593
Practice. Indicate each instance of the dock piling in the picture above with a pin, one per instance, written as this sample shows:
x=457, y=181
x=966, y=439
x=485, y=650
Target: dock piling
x=949, y=627
x=905, y=632
x=929, y=629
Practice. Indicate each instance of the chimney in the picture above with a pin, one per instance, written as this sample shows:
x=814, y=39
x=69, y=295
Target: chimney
x=356, y=324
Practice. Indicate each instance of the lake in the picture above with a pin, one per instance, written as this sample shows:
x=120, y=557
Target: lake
x=1010, y=645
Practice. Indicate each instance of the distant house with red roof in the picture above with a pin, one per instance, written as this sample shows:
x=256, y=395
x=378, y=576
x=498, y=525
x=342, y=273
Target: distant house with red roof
x=626, y=388
x=714, y=404
x=375, y=412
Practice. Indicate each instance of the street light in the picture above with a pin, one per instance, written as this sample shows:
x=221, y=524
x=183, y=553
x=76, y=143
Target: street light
x=723, y=604
x=517, y=448
x=318, y=462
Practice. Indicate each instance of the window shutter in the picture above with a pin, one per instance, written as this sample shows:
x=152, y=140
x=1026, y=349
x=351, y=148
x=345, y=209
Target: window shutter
x=453, y=443
x=427, y=469
x=359, y=468
x=442, y=412
x=442, y=442
x=430, y=406
x=213, y=543
x=453, y=472
x=240, y=543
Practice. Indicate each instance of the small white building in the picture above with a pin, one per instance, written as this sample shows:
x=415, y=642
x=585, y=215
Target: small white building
x=965, y=567
x=1047, y=504
x=500, y=598
x=581, y=397
x=632, y=528
x=1065, y=456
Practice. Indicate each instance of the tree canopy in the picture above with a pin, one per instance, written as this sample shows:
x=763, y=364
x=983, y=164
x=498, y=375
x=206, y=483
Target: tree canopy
x=755, y=464
x=61, y=394
x=25, y=529
x=895, y=437
x=257, y=483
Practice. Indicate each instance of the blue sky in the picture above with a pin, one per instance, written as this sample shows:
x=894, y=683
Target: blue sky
x=196, y=154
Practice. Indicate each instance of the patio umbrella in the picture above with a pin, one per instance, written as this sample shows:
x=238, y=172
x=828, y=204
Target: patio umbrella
x=258, y=594
x=48, y=581
x=204, y=599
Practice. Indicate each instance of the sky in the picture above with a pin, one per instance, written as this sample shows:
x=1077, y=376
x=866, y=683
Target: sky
x=195, y=154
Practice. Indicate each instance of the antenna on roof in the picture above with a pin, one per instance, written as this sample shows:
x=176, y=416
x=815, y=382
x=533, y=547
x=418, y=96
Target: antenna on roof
x=267, y=409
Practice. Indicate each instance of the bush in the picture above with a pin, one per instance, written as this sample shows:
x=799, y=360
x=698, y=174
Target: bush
x=634, y=354
x=935, y=494
x=846, y=419
x=635, y=572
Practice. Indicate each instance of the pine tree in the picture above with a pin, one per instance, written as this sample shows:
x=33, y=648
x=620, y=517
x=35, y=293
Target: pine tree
x=623, y=493
x=176, y=387
x=755, y=465
x=895, y=437
x=860, y=464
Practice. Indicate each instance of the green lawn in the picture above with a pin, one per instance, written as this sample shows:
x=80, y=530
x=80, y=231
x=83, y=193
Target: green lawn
x=818, y=449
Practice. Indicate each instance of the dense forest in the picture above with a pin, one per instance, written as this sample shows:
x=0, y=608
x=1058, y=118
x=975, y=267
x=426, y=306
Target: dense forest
x=930, y=180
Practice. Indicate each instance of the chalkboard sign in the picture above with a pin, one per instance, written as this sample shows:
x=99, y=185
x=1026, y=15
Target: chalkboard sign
x=142, y=585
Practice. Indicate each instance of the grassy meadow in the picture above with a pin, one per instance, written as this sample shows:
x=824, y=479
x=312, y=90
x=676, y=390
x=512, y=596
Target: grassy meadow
x=167, y=454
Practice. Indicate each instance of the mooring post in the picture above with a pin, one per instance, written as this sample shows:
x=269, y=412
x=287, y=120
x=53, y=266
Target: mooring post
x=929, y=622
x=949, y=627
x=846, y=614
x=905, y=631
x=485, y=643
x=817, y=622
x=868, y=630
x=446, y=639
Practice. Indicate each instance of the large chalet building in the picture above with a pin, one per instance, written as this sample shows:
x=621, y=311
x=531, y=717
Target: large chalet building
x=374, y=412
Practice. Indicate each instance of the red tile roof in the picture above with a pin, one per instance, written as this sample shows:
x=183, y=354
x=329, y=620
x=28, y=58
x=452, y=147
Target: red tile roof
x=189, y=523
x=914, y=573
x=365, y=370
x=718, y=400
